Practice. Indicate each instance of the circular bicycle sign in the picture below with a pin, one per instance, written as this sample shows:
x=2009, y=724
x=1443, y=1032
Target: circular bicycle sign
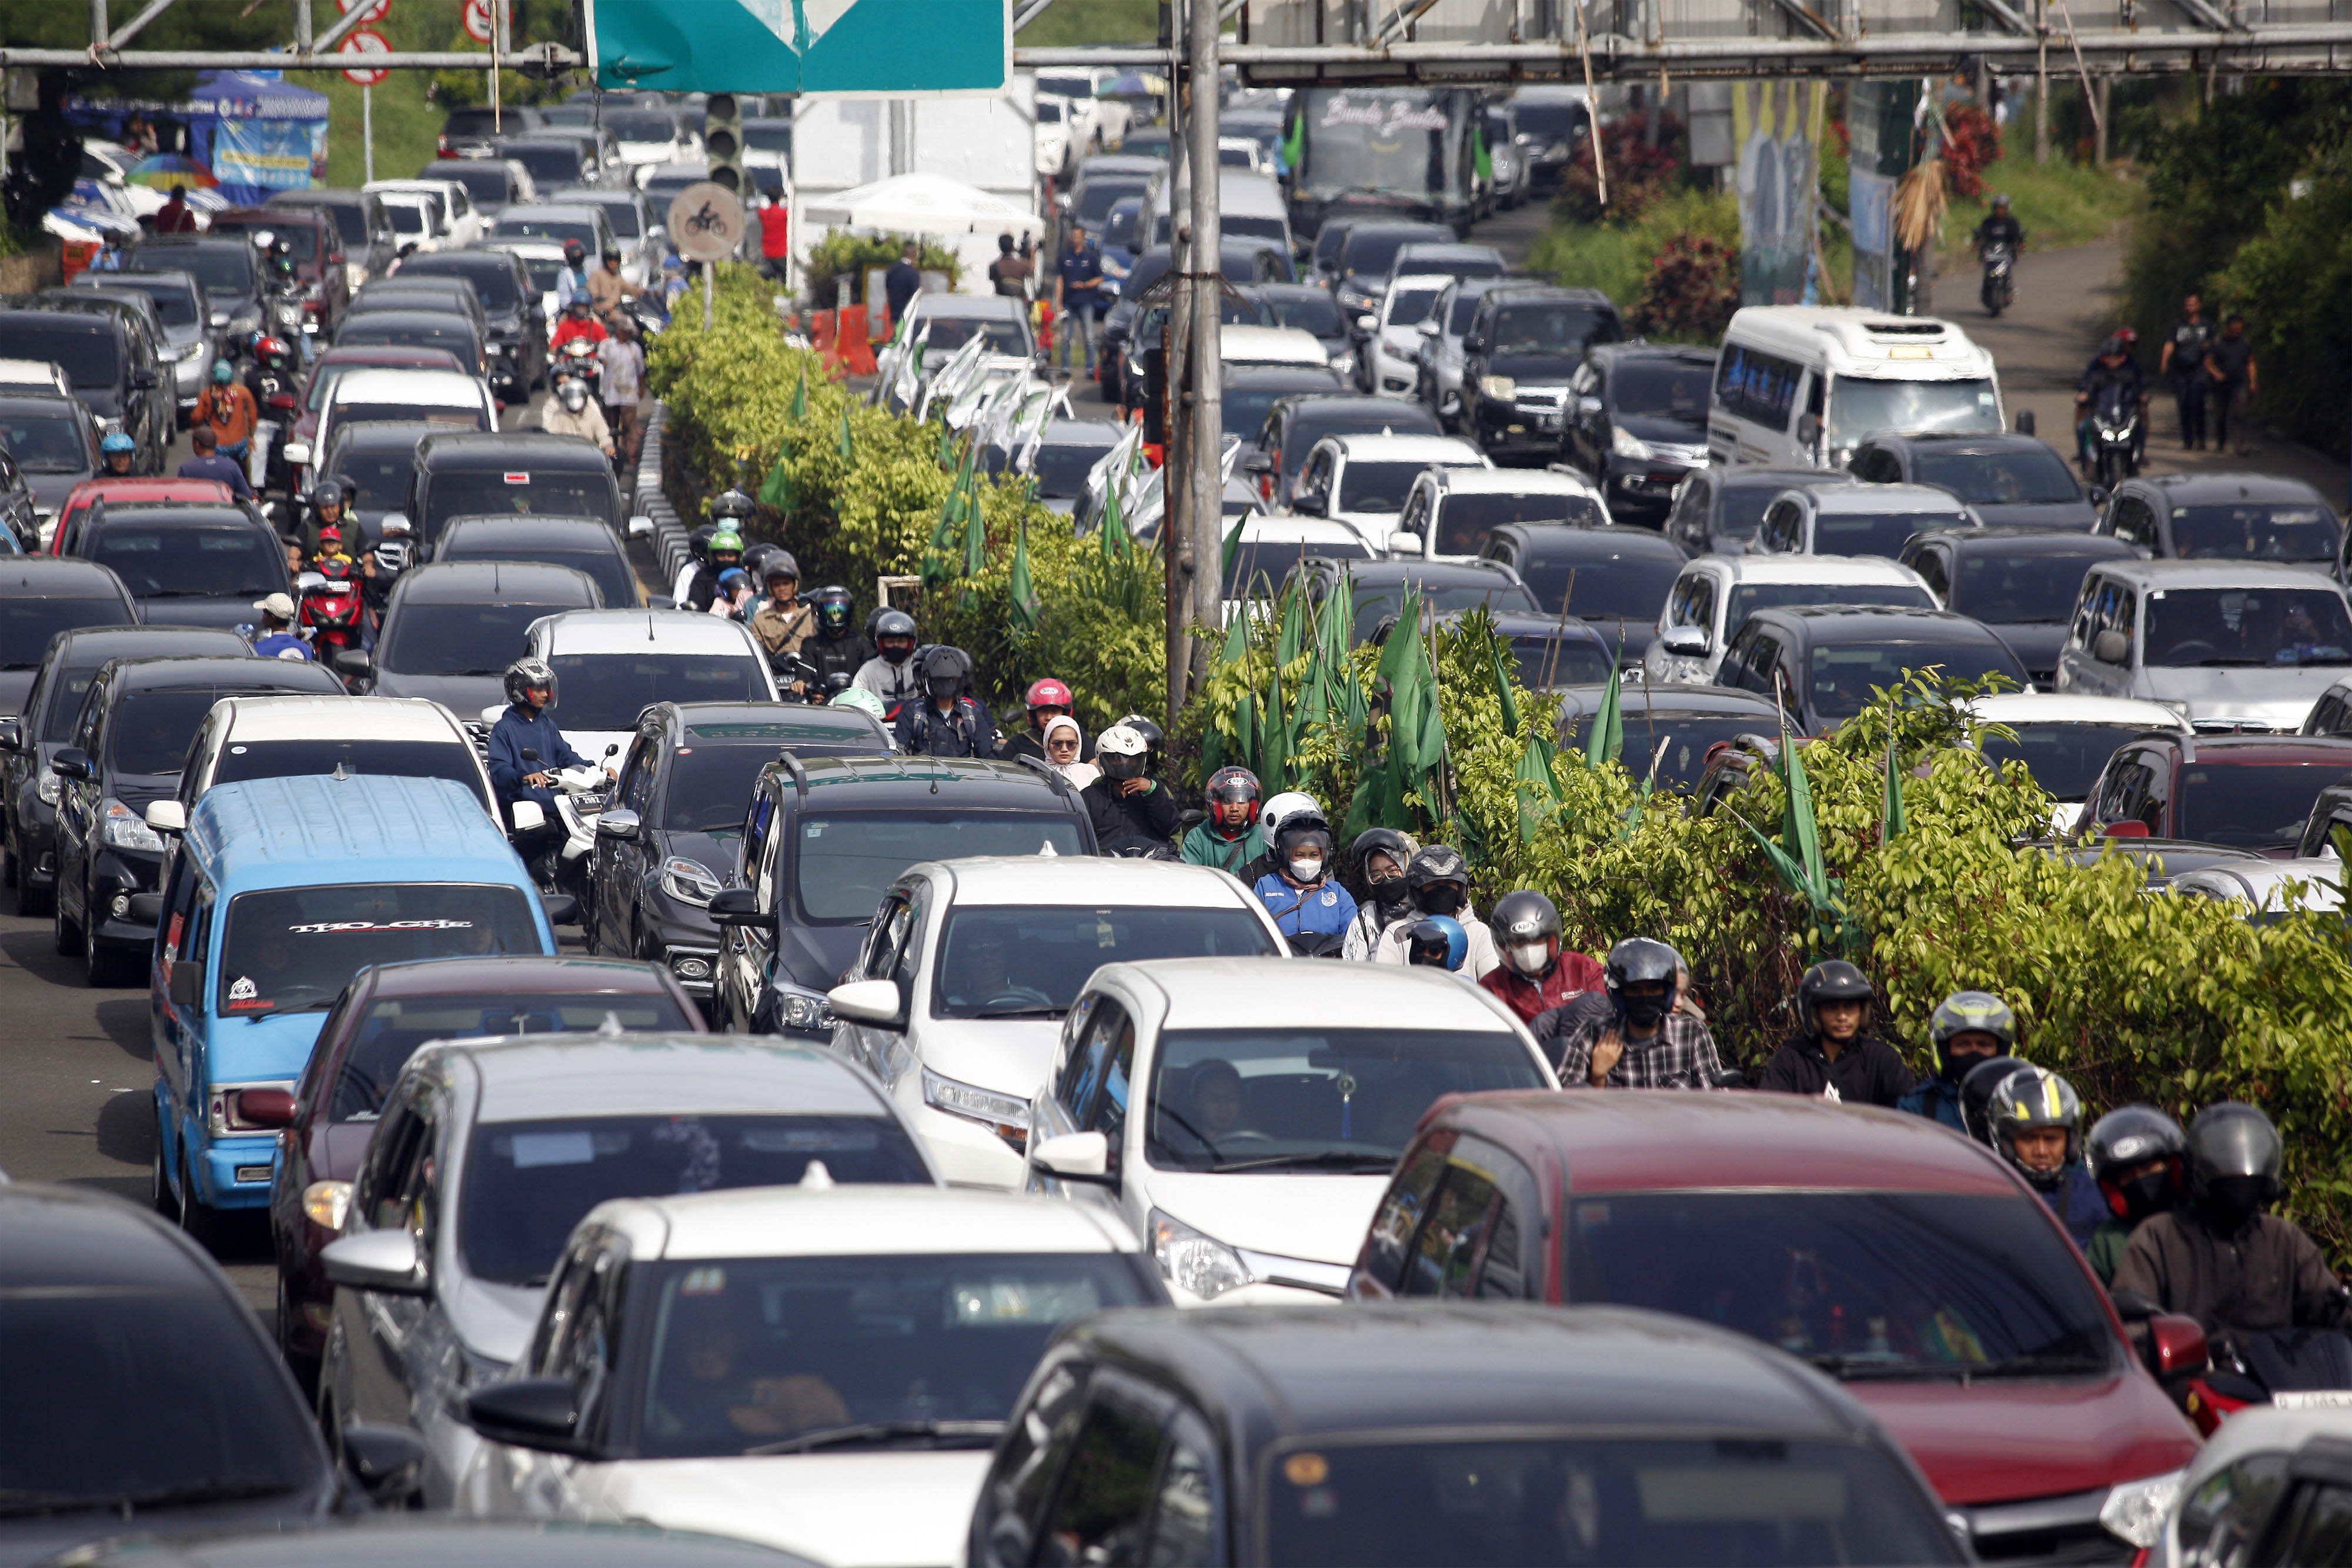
x=706, y=222
x=365, y=41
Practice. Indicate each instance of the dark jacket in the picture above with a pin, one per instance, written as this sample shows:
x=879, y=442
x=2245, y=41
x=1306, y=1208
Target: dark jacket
x=837, y=656
x=2078, y=1203
x=1866, y=1072
x=2266, y=1275
x=1129, y=821
x=1936, y=1098
x=1572, y=974
x=510, y=737
x=964, y=730
x=1996, y=227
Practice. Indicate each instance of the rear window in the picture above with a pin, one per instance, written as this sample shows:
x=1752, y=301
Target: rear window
x=381, y=475
x=294, y=949
x=396, y=1026
x=613, y=579
x=496, y=285
x=409, y=332
x=441, y=416
x=27, y=624
x=522, y=491
x=83, y=347
x=451, y=760
x=1626, y=585
x=423, y=639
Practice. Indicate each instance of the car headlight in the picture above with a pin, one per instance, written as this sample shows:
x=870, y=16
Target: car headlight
x=2135, y=1510
x=48, y=789
x=1624, y=444
x=1502, y=389
x=126, y=830
x=799, y=1008
x=326, y=1203
x=1009, y=1117
x=688, y=881
x=1199, y=1265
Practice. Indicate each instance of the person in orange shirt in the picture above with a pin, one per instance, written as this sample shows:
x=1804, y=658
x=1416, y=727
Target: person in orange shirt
x=229, y=409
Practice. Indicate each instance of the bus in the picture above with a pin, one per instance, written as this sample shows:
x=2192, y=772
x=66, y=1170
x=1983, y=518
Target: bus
x=1403, y=152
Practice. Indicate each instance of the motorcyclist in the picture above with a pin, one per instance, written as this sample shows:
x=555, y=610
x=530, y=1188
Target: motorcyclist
x=1382, y=855
x=2218, y=1257
x=1046, y=699
x=1976, y=1088
x=724, y=554
x=838, y=648
x=1436, y=941
x=2113, y=366
x=1270, y=818
x=2139, y=1157
x=278, y=640
x=1439, y=880
x=1644, y=1041
x=1834, y=1059
x=607, y=289
x=1969, y=1028
x=229, y=409
x=2001, y=227
x=891, y=673
x=1307, y=904
x=1133, y=813
x=572, y=412
x=118, y=453
x=783, y=625
x=948, y=721
x=2037, y=1127
x=1537, y=974
x=529, y=724
x=1222, y=838
x=572, y=281
x=328, y=508
x=579, y=322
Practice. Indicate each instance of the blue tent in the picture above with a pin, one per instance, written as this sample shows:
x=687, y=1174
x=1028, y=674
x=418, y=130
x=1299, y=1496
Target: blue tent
x=252, y=134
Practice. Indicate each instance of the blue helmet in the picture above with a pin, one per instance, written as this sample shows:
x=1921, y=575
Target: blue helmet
x=1437, y=941
x=117, y=442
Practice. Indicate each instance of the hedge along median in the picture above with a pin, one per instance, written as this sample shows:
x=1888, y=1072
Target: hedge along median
x=2134, y=997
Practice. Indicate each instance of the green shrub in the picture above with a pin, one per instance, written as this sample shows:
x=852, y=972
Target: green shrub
x=840, y=253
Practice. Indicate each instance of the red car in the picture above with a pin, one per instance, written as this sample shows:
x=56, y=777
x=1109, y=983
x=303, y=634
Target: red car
x=1900, y=1258
x=383, y=1015
x=117, y=491
x=2243, y=791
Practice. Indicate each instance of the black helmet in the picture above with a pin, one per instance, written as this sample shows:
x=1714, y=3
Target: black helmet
x=2233, y=1160
x=756, y=557
x=731, y=505
x=1971, y=1012
x=574, y=252
x=1383, y=841
x=2133, y=1136
x=2025, y=1101
x=1155, y=739
x=1832, y=980
x=1639, y=961
x=698, y=543
x=1526, y=915
x=779, y=563
x=894, y=624
x=1976, y=1094
x=1300, y=830
x=527, y=674
x=1439, y=879
x=833, y=607
x=326, y=493
x=945, y=669
x=1234, y=786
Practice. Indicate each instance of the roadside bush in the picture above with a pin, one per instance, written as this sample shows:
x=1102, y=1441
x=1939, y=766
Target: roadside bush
x=840, y=253
x=1639, y=173
x=1691, y=292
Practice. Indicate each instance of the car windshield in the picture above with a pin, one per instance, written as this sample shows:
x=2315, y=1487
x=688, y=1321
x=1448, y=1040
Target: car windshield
x=2065, y=758
x=2254, y=530
x=1858, y=407
x=45, y=442
x=1379, y=487
x=951, y=331
x=845, y=863
x=528, y=1183
x=452, y=759
x=1662, y=389
x=395, y=1026
x=2251, y=805
x=2248, y=626
x=404, y=331
x=2005, y=588
x=1622, y=585
x=1845, y=674
x=1749, y=597
x=543, y=270
x=83, y=348
x=1740, y=507
x=407, y=218
x=1464, y=522
x=149, y=731
x=1672, y=741
x=710, y=785
x=484, y=182
x=1560, y=328
x=301, y=238
x=608, y=691
x=877, y=1352
x=1304, y=1099
x=1315, y=312
x=526, y=225
x=1122, y=227
x=440, y=415
x=1547, y=664
x=2024, y=477
x=191, y=560
x=641, y=126
x=1375, y=602
x=1259, y=566
x=1062, y=469
x=1548, y=121
x=1452, y=263
x=1471, y=1498
x=489, y=493
x=549, y=165
x=609, y=568
x=294, y=949
x=496, y=285
x=382, y=474
x=175, y=302
x=428, y=639
x=1097, y=196
x=158, y=1392
x=218, y=269
x=1867, y=1285
x=998, y=961
x=1875, y=533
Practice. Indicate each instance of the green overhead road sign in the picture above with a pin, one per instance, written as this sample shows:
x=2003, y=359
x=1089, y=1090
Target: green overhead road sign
x=843, y=47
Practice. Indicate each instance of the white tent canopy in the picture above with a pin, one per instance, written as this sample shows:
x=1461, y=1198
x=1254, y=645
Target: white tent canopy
x=921, y=205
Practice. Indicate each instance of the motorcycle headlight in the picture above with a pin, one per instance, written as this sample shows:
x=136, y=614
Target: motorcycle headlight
x=47, y=788
x=126, y=830
x=1201, y=1265
x=1502, y=389
x=799, y=1008
x=2135, y=1510
x=1626, y=445
x=1008, y=1116
x=688, y=881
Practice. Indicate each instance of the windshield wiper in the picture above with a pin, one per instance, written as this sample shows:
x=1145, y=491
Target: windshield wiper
x=1879, y=1368
x=1020, y=1012
x=1327, y=1159
x=24, y=1504
x=962, y=1434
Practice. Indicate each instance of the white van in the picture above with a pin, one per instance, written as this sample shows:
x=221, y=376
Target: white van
x=1803, y=384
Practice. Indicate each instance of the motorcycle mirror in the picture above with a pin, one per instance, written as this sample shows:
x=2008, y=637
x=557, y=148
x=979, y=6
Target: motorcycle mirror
x=530, y=754
x=614, y=750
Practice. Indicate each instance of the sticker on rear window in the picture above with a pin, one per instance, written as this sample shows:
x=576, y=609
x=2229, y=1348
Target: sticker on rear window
x=326, y=928
x=518, y=478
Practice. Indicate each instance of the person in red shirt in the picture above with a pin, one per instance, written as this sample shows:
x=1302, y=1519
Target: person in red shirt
x=1535, y=975
x=775, y=235
x=579, y=321
x=174, y=217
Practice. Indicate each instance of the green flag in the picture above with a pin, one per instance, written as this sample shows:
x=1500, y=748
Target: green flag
x=1504, y=698
x=1025, y=610
x=975, y=539
x=1236, y=649
x=1605, y=741
x=1245, y=734
x=1891, y=822
x=1113, y=525
x=799, y=396
x=848, y=448
x=947, y=446
x=1800, y=829
x=1535, y=786
x=1293, y=637
x=1482, y=156
x=1274, y=739
x=777, y=491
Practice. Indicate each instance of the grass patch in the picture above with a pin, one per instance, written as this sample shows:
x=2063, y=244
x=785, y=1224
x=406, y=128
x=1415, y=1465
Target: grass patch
x=2059, y=203
x=1615, y=258
x=1068, y=24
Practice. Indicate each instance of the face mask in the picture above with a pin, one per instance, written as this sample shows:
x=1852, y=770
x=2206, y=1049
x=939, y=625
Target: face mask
x=1440, y=898
x=1307, y=871
x=1389, y=892
x=897, y=655
x=1643, y=1012
x=2144, y=1195
x=2232, y=1200
x=1530, y=957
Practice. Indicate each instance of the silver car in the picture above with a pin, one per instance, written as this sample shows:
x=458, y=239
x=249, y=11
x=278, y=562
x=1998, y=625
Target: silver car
x=2228, y=645
x=489, y=1151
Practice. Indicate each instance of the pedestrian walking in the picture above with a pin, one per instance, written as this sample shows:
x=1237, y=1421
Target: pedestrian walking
x=775, y=237
x=2229, y=366
x=624, y=388
x=1078, y=291
x=903, y=281
x=2183, y=360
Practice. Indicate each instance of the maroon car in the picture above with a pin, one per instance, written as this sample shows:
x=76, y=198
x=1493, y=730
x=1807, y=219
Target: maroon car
x=317, y=251
x=2242, y=791
x=381, y=1018
x=1900, y=1258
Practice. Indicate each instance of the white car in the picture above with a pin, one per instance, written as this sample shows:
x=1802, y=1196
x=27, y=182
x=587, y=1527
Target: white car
x=2266, y=890
x=411, y=214
x=1363, y=480
x=652, y=136
x=1713, y=595
x=1388, y=356
x=957, y=1001
x=612, y=664
x=1243, y=1115
x=1452, y=511
x=1056, y=135
x=823, y=1369
x=2064, y=738
x=450, y=399
x=2274, y=1472
x=276, y=736
x=1287, y=348
x=457, y=223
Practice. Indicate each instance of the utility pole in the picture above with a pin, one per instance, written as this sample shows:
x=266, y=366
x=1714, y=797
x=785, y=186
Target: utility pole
x=1197, y=586
x=2040, y=86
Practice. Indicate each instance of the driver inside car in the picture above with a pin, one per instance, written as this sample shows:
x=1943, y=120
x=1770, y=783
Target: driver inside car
x=1217, y=1105
x=982, y=976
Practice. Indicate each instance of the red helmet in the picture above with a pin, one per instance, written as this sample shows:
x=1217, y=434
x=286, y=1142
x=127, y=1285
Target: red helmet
x=1049, y=692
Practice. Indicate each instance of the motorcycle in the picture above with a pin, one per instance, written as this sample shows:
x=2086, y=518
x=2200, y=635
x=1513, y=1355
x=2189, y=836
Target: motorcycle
x=577, y=361
x=270, y=377
x=2115, y=424
x=581, y=793
x=791, y=669
x=644, y=310
x=393, y=553
x=2296, y=1368
x=333, y=614
x=1999, y=289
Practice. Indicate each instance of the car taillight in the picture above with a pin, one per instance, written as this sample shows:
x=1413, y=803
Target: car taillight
x=312, y=306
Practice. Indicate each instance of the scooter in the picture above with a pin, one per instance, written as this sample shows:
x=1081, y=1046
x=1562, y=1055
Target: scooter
x=333, y=615
x=2115, y=424
x=393, y=553
x=577, y=360
x=2301, y=1368
x=581, y=793
x=1999, y=286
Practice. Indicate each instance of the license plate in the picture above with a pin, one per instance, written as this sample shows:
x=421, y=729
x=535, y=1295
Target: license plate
x=2314, y=1399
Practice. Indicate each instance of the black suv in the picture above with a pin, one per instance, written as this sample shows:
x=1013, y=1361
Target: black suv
x=477, y=474
x=1614, y=578
x=114, y=363
x=1636, y=422
x=208, y=563
x=41, y=596
x=2011, y=480
x=1827, y=662
x=129, y=746
x=1522, y=347
x=1717, y=510
x=825, y=839
x=515, y=311
x=668, y=841
x=2225, y=517
x=2021, y=583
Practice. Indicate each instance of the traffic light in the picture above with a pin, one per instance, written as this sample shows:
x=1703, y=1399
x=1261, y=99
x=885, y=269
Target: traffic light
x=722, y=139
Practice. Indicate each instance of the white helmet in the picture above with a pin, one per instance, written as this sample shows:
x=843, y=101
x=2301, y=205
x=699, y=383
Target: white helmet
x=1283, y=805
x=1123, y=751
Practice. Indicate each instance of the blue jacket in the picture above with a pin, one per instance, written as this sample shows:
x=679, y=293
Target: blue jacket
x=964, y=730
x=1324, y=910
x=224, y=469
x=510, y=737
x=283, y=646
x=1937, y=1098
x=2079, y=1204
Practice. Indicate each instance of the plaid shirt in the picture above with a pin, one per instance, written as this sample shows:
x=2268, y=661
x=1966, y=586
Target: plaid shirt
x=1681, y=1055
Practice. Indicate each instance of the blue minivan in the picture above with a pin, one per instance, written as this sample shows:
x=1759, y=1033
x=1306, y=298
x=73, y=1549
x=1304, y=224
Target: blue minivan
x=284, y=889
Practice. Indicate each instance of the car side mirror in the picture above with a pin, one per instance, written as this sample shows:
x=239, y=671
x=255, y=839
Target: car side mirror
x=167, y=816
x=877, y=1002
x=386, y=1461
x=2025, y=422
x=1588, y=406
x=267, y=1107
x=2176, y=1345
x=1474, y=344
x=529, y=816
x=143, y=380
x=539, y=1412
x=728, y=905
x=1074, y=1156
x=147, y=908
x=1429, y=328
x=1405, y=542
x=1367, y=322
x=186, y=988
x=562, y=908
x=2099, y=494
x=2111, y=647
x=617, y=824
x=356, y=663
x=1809, y=429
x=1686, y=642
x=641, y=528
x=70, y=763
x=388, y=1262
x=12, y=734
